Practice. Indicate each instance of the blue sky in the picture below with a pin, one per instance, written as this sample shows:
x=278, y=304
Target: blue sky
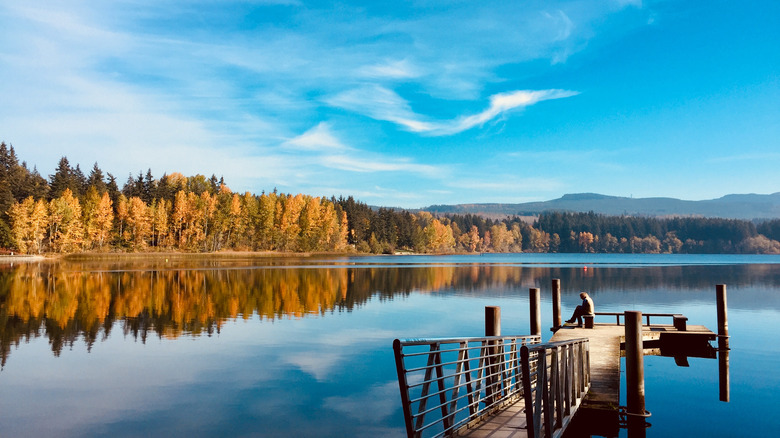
x=407, y=103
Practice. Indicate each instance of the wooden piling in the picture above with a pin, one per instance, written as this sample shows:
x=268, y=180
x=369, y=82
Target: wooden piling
x=492, y=328
x=724, y=387
x=534, y=301
x=556, y=303
x=723, y=319
x=492, y=321
x=635, y=372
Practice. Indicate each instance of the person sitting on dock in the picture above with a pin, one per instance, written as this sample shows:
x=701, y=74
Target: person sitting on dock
x=586, y=308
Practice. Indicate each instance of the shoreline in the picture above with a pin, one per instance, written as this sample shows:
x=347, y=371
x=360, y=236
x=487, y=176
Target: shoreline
x=167, y=255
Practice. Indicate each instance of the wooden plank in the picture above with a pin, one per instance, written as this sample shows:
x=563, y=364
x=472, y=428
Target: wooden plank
x=604, y=343
x=509, y=423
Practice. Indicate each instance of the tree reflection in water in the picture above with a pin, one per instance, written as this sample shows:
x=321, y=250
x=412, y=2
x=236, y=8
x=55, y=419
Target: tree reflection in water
x=65, y=301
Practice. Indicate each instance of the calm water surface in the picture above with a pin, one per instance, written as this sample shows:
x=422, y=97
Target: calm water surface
x=257, y=347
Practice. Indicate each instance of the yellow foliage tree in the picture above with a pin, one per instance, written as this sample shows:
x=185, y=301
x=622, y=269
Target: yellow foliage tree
x=438, y=237
x=98, y=218
x=139, y=223
x=28, y=224
x=66, y=226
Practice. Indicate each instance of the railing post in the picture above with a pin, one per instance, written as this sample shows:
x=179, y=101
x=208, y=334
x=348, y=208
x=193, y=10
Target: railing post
x=556, y=303
x=525, y=363
x=635, y=372
x=403, y=386
x=492, y=328
x=534, y=298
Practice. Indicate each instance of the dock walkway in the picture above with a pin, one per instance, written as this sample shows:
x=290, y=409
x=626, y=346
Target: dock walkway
x=604, y=395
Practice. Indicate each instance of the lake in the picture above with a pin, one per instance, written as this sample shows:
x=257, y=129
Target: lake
x=303, y=347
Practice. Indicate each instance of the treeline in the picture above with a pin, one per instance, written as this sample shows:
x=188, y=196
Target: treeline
x=72, y=212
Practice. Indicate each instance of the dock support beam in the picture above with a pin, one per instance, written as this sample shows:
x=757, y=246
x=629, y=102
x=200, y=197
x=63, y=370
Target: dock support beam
x=492, y=328
x=492, y=321
x=724, y=387
x=723, y=319
x=556, y=303
x=635, y=373
x=534, y=302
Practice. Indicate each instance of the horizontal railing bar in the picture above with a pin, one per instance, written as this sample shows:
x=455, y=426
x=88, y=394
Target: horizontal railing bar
x=549, y=345
x=510, y=392
x=506, y=362
x=433, y=408
x=448, y=350
x=461, y=373
x=502, y=346
x=414, y=341
x=465, y=372
x=643, y=314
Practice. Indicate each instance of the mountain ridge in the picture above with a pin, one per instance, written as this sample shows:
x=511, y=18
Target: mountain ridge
x=733, y=206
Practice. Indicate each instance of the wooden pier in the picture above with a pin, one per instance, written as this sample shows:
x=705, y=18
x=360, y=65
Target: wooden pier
x=586, y=382
x=603, y=399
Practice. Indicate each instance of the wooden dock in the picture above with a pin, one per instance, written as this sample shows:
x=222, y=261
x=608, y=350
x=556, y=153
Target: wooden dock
x=581, y=388
x=509, y=423
x=603, y=400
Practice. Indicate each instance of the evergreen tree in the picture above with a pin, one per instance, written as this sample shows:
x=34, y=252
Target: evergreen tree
x=96, y=179
x=63, y=179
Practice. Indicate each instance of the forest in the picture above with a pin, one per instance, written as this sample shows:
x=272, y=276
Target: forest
x=71, y=212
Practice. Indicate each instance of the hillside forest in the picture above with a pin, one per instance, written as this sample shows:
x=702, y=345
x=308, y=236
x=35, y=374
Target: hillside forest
x=71, y=211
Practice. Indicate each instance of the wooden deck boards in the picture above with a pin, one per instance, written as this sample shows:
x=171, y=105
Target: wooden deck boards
x=604, y=362
x=509, y=423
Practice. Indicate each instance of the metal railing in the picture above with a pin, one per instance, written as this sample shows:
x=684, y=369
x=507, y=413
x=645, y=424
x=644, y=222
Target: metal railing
x=556, y=377
x=448, y=384
x=679, y=321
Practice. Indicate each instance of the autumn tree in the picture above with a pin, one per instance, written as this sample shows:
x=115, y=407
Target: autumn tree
x=160, y=222
x=66, y=227
x=29, y=221
x=139, y=224
x=98, y=217
x=471, y=240
x=288, y=216
x=438, y=237
x=501, y=238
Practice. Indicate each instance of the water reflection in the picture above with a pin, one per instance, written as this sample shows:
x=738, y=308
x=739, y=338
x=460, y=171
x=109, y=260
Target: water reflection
x=65, y=301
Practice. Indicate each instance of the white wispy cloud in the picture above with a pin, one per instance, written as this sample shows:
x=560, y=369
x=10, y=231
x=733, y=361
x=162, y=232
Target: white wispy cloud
x=402, y=69
x=383, y=104
x=318, y=138
x=381, y=164
x=330, y=151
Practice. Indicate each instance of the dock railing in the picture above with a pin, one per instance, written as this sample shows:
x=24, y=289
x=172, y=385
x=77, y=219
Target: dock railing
x=449, y=384
x=556, y=378
x=679, y=321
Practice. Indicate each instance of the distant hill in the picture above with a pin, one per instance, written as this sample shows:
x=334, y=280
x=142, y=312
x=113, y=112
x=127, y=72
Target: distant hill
x=749, y=206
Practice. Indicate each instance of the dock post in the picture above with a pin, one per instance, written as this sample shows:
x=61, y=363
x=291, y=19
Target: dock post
x=635, y=372
x=492, y=321
x=724, y=387
x=534, y=301
x=556, y=303
x=723, y=319
x=492, y=328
